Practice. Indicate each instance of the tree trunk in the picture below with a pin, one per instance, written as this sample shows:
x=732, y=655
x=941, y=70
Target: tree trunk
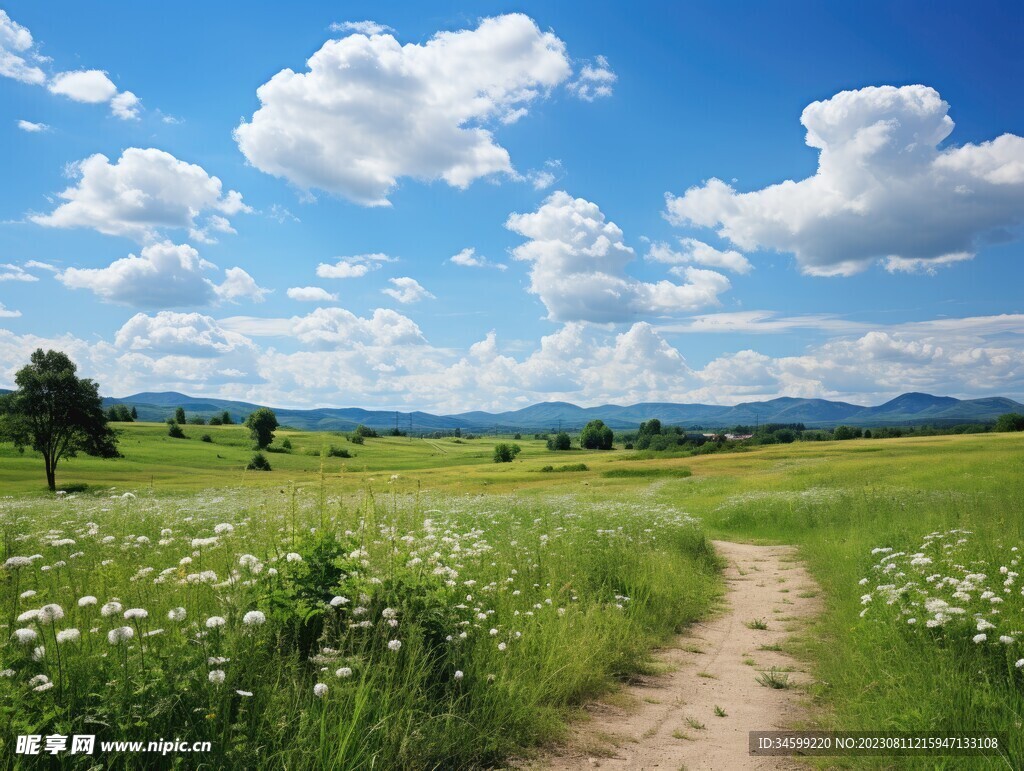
x=51, y=475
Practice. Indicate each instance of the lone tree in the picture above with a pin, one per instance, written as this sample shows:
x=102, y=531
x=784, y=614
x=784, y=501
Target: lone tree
x=261, y=425
x=596, y=436
x=560, y=441
x=56, y=413
x=179, y=416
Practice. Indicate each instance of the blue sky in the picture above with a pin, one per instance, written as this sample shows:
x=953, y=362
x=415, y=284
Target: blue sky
x=889, y=263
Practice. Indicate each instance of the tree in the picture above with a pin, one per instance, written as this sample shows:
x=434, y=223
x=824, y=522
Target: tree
x=174, y=430
x=560, y=441
x=135, y=413
x=225, y=418
x=56, y=413
x=261, y=425
x=259, y=461
x=366, y=432
x=118, y=413
x=1011, y=421
x=651, y=427
x=596, y=436
x=197, y=420
x=505, y=453
x=179, y=416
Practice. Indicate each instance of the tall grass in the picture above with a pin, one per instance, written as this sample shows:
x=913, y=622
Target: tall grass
x=295, y=630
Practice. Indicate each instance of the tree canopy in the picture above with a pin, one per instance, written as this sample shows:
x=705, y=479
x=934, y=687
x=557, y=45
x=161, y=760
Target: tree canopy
x=596, y=436
x=56, y=413
x=261, y=424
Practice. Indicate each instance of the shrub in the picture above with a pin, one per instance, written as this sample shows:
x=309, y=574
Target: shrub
x=568, y=467
x=338, y=452
x=205, y=438
x=357, y=439
x=197, y=420
x=505, y=453
x=259, y=462
x=517, y=437
x=174, y=430
x=366, y=432
x=560, y=441
x=286, y=444
x=216, y=421
x=596, y=436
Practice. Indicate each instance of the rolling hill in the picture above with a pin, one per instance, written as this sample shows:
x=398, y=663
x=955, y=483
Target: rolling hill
x=907, y=409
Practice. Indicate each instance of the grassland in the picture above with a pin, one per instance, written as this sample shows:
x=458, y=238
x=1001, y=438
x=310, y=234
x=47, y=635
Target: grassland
x=836, y=501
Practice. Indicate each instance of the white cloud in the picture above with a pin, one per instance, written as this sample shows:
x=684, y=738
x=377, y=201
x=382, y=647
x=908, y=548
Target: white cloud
x=41, y=266
x=362, y=27
x=327, y=328
x=694, y=251
x=164, y=275
x=11, y=272
x=883, y=189
x=468, y=258
x=595, y=80
x=126, y=106
x=352, y=267
x=578, y=261
x=144, y=193
x=311, y=294
x=7, y=313
x=407, y=290
x=184, y=334
x=32, y=128
x=239, y=285
x=15, y=45
x=89, y=86
x=369, y=110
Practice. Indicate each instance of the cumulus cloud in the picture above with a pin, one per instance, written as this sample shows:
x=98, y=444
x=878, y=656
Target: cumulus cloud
x=17, y=49
x=578, y=261
x=369, y=110
x=595, y=80
x=32, y=128
x=186, y=334
x=311, y=294
x=327, y=328
x=164, y=275
x=468, y=258
x=352, y=267
x=8, y=313
x=89, y=86
x=144, y=193
x=407, y=290
x=693, y=251
x=126, y=106
x=239, y=285
x=884, y=190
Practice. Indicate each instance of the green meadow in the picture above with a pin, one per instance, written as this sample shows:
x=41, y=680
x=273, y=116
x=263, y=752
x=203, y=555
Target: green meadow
x=912, y=541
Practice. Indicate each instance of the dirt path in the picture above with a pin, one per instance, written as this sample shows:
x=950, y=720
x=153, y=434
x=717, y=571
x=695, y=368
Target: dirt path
x=670, y=721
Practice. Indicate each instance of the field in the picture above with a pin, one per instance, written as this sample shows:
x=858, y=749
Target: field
x=433, y=536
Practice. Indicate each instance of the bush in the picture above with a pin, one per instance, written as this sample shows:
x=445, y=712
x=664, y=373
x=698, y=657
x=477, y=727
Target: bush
x=197, y=420
x=216, y=421
x=286, y=444
x=205, y=438
x=259, y=462
x=560, y=441
x=1011, y=421
x=357, y=439
x=505, y=453
x=365, y=432
x=338, y=452
x=174, y=430
x=517, y=437
x=568, y=467
x=596, y=436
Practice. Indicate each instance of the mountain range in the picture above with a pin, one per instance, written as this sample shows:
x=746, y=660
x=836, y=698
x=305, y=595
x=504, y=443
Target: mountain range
x=908, y=409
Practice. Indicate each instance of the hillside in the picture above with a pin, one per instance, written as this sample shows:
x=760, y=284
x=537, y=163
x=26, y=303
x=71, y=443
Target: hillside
x=908, y=409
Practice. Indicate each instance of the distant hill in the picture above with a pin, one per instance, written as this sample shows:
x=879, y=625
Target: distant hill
x=908, y=409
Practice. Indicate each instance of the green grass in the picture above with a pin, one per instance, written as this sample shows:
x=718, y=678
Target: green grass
x=836, y=501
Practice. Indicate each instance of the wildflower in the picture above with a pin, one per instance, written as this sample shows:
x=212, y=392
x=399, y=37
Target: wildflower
x=458, y=674
x=389, y=613
x=293, y=557
x=86, y=601
x=199, y=543
x=176, y=614
x=980, y=638
x=254, y=618
x=111, y=608
x=38, y=679
x=394, y=645
x=1019, y=664
x=502, y=646
x=338, y=601
x=28, y=615
x=120, y=634
x=43, y=687
x=1005, y=639
x=319, y=690
x=13, y=563
x=133, y=613
x=215, y=621
x=39, y=653
x=216, y=676
x=244, y=693
x=224, y=528
x=494, y=632
x=27, y=594
x=153, y=633
x=48, y=614
x=343, y=672
x=68, y=635
x=25, y=636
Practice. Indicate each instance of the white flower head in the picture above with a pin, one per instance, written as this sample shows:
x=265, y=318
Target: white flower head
x=344, y=672
x=48, y=614
x=215, y=621
x=254, y=618
x=394, y=645
x=176, y=614
x=133, y=613
x=68, y=635
x=120, y=634
x=216, y=676
x=111, y=608
x=458, y=674
x=25, y=636
x=320, y=690
x=86, y=601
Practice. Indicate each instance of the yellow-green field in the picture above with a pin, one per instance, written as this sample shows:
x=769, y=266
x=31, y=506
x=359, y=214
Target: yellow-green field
x=851, y=508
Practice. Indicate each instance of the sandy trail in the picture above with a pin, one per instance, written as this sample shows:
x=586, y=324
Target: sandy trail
x=670, y=721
